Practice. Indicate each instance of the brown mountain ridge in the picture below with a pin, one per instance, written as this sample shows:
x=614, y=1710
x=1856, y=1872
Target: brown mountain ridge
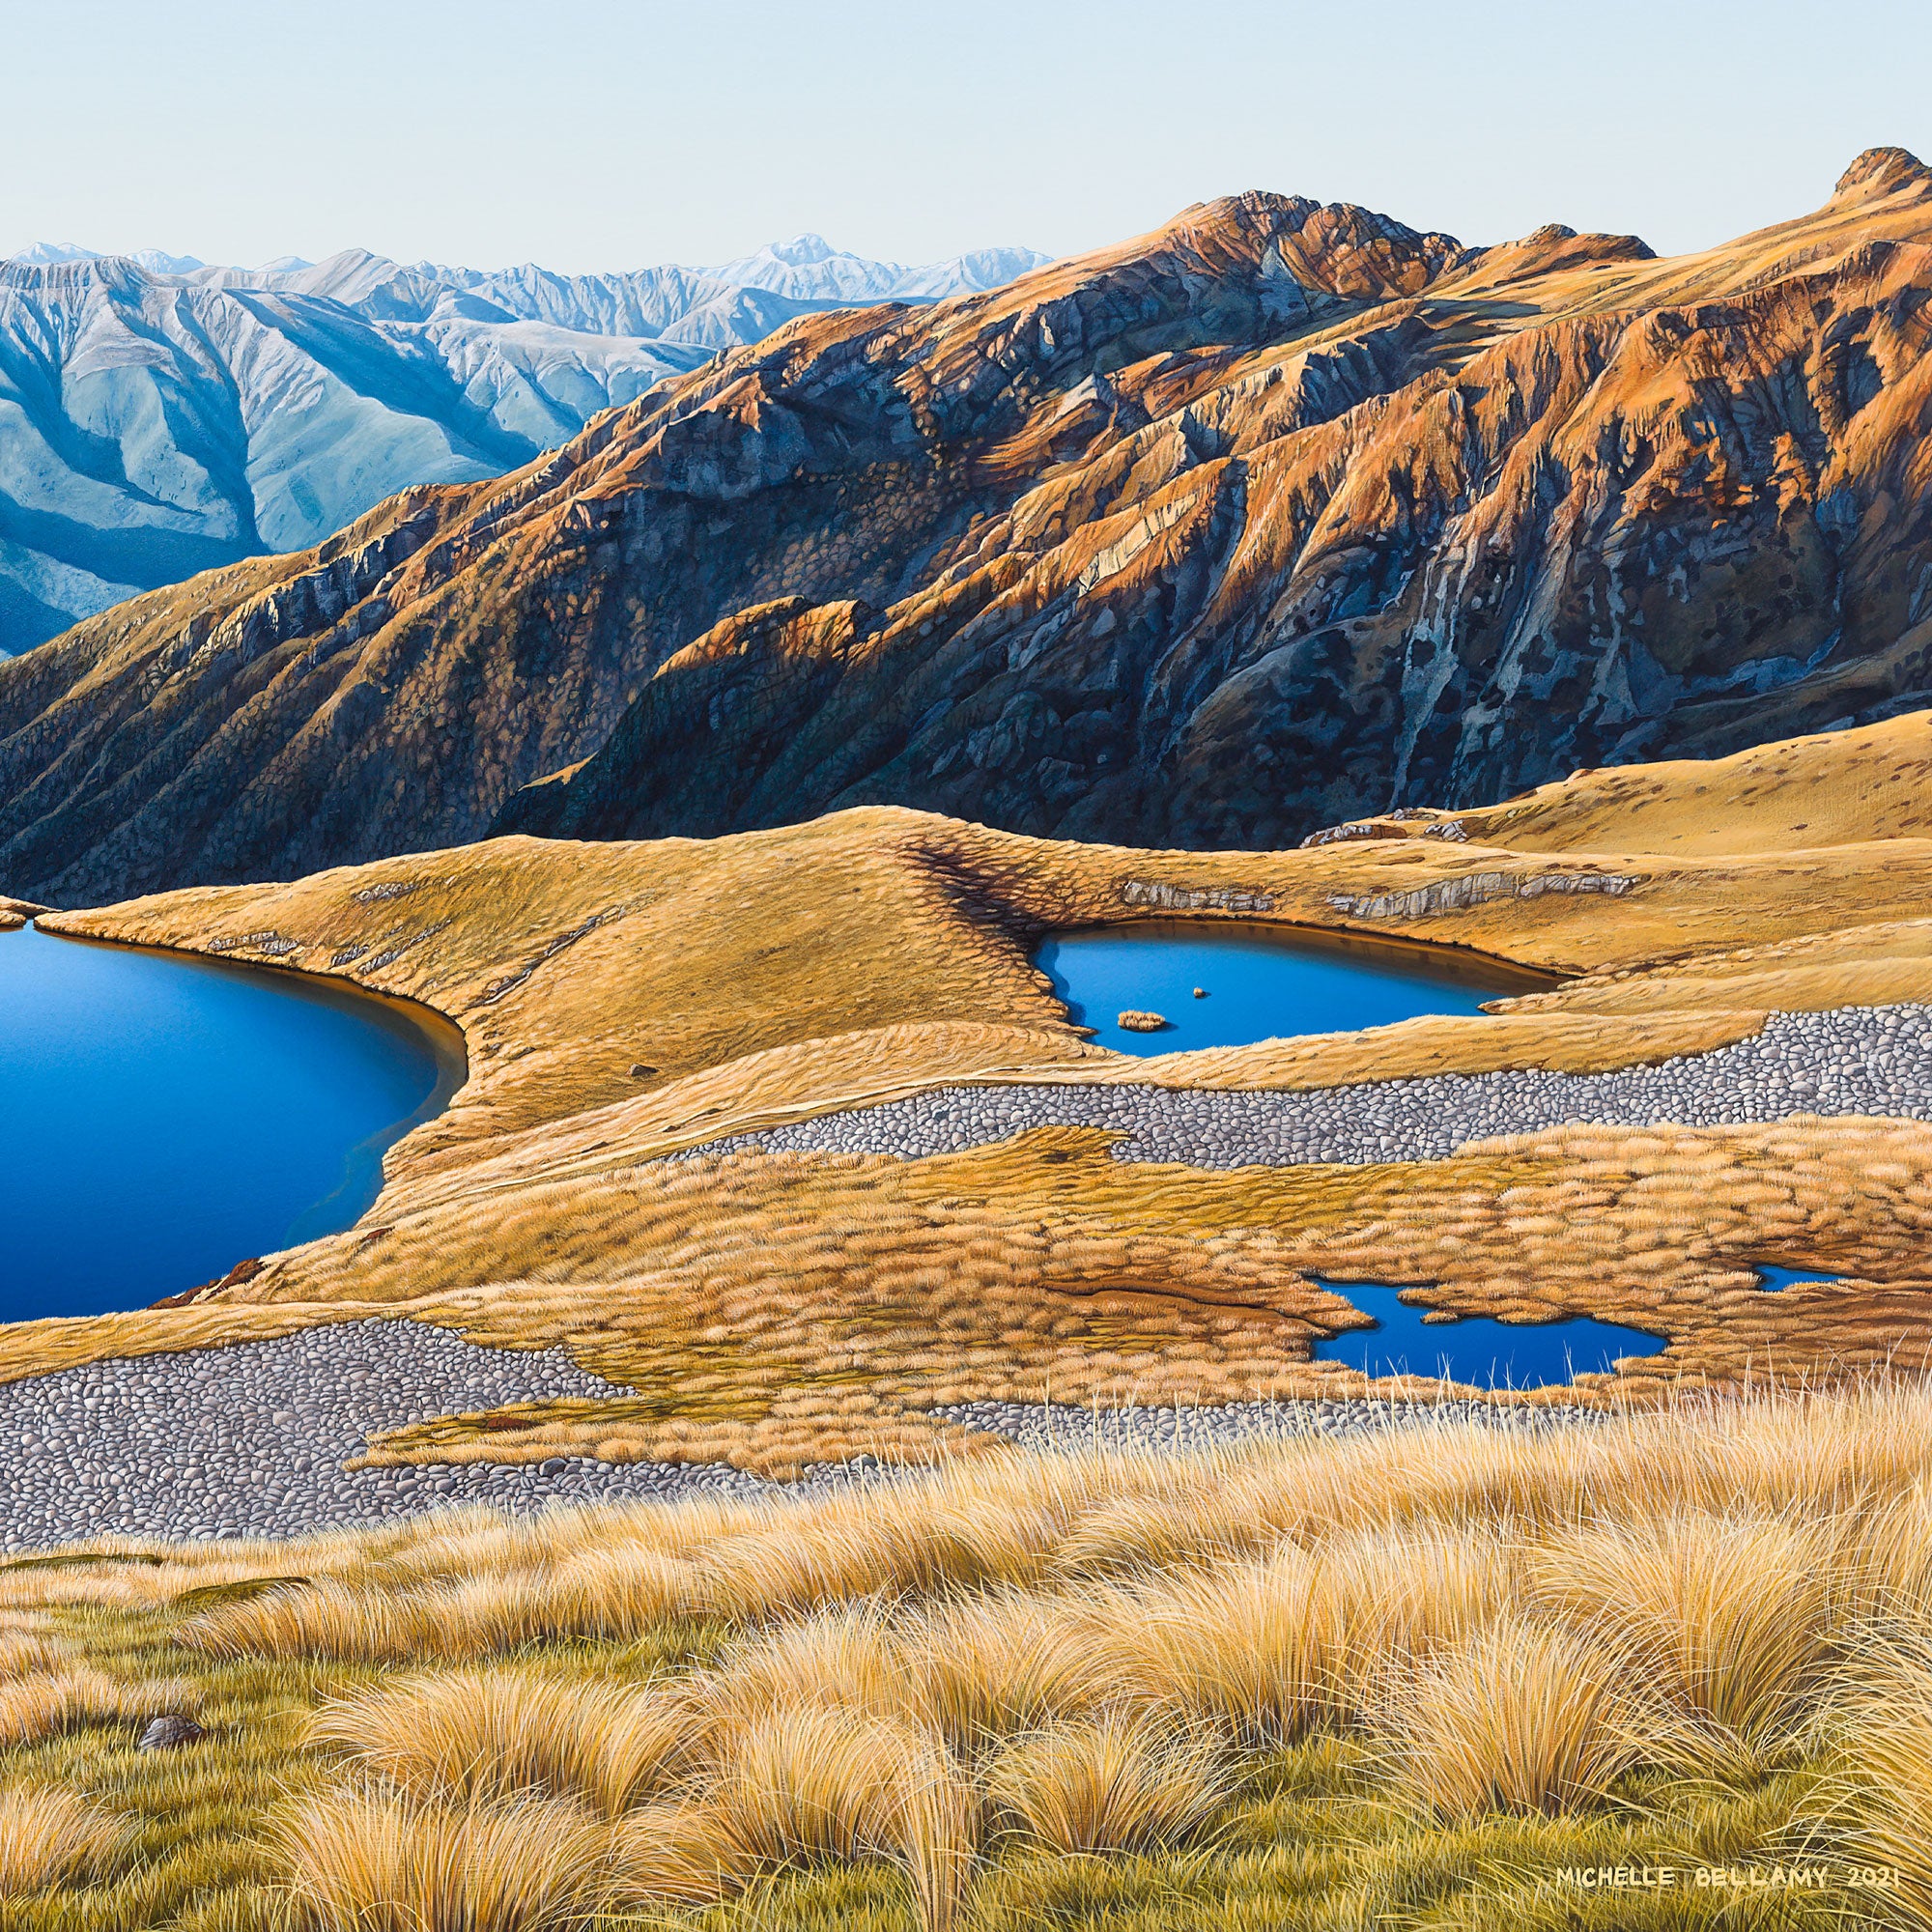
x=1281, y=515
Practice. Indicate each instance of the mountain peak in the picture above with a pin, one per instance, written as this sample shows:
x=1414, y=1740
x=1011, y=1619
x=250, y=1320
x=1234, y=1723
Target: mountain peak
x=47, y=254
x=60, y=254
x=1882, y=171
x=802, y=250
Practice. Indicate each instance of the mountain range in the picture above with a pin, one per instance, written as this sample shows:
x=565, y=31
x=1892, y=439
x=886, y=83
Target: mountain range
x=1281, y=515
x=159, y=416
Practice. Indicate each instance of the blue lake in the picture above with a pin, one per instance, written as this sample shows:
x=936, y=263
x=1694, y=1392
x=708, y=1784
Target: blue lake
x=1258, y=985
x=1474, y=1349
x=163, y=1118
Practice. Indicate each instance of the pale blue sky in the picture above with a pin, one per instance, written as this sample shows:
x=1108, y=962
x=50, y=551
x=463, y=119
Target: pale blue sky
x=595, y=134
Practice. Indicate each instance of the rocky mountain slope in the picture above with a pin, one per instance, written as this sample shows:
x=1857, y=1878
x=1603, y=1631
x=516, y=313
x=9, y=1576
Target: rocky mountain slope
x=1281, y=515
x=158, y=416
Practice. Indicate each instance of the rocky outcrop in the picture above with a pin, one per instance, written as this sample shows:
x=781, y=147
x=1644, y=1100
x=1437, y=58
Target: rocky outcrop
x=1160, y=898
x=1474, y=889
x=1283, y=516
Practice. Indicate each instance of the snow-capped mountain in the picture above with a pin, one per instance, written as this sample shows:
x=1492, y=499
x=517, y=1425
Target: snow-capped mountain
x=45, y=254
x=159, y=415
x=808, y=269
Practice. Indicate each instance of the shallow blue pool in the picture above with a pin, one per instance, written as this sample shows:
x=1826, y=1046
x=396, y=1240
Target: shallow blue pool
x=1475, y=1348
x=1257, y=984
x=162, y=1117
x=1775, y=1280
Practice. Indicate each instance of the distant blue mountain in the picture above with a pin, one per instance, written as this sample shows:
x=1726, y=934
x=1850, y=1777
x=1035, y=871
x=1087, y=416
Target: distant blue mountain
x=159, y=416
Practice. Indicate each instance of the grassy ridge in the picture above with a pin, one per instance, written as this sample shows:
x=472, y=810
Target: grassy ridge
x=1408, y=1681
x=620, y=1002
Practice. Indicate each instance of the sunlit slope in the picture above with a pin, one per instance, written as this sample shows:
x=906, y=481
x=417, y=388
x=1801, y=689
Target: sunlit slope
x=1799, y=794
x=1276, y=516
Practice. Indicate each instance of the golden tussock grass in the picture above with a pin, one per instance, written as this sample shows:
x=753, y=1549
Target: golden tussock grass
x=803, y=1782
x=1112, y=1786
x=477, y=1734
x=981, y=1667
x=382, y=1620
x=1511, y=1624
x=1445, y=1503
x=1045, y=1265
x=844, y=1657
x=43, y=1704
x=1885, y=1750
x=530, y=1215
x=1726, y=1618
x=1478, y=1631
x=24, y=1653
x=677, y=1852
x=374, y=1860
x=328, y=1618
x=51, y=1836
x=1521, y=1716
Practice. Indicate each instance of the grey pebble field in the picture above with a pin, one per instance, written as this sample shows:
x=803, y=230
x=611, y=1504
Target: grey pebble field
x=1856, y=1060
x=249, y=1439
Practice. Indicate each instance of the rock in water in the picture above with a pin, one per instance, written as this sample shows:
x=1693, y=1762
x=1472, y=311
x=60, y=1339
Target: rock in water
x=168, y=1731
x=1138, y=1022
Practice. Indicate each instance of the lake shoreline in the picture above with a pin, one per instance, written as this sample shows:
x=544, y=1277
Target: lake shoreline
x=220, y=1112
x=443, y=1034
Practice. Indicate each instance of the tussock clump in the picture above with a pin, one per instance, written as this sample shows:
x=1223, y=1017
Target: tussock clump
x=996, y=1667
x=983, y=1667
x=328, y=1619
x=1523, y=1717
x=1723, y=1618
x=1251, y=1647
x=809, y=1783
x=373, y=1862
x=1155, y=1525
x=1267, y=1648
x=1399, y=1596
x=454, y=1619
x=23, y=1653
x=49, y=1836
x=1885, y=1747
x=619, y=1594
x=43, y=1706
x=874, y=1543
x=805, y=1786
x=845, y=1658
x=1881, y=1559
x=676, y=1853
x=1114, y=1785
x=478, y=1734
